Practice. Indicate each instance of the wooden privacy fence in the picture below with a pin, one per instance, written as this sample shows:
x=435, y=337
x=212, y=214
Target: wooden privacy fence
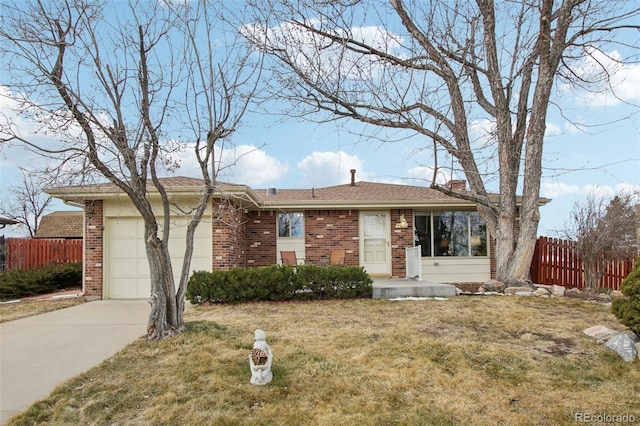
x=556, y=261
x=23, y=253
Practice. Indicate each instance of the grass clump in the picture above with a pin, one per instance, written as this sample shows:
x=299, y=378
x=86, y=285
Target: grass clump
x=472, y=361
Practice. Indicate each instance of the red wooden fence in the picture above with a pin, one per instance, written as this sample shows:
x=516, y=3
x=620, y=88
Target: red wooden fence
x=556, y=261
x=24, y=253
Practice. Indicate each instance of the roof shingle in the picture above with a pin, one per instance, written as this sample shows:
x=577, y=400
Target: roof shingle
x=62, y=224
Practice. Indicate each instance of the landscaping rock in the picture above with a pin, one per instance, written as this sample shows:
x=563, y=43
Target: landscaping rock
x=624, y=344
x=600, y=332
x=514, y=290
x=638, y=349
x=493, y=286
x=524, y=293
x=541, y=292
x=557, y=290
x=616, y=293
x=572, y=291
x=604, y=298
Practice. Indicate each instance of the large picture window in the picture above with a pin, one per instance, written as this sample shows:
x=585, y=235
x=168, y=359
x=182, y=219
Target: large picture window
x=450, y=233
x=291, y=225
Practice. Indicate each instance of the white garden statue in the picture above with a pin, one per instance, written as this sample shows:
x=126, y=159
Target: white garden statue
x=260, y=360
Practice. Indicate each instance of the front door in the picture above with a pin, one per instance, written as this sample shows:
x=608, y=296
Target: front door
x=375, y=250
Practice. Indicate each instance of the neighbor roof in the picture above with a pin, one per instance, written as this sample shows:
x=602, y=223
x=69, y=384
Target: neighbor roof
x=62, y=224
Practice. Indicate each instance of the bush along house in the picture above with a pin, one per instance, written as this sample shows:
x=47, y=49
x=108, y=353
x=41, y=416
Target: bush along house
x=390, y=230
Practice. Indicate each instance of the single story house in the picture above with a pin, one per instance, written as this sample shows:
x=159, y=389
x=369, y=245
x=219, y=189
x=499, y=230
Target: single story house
x=375, y=223
x=66, y=225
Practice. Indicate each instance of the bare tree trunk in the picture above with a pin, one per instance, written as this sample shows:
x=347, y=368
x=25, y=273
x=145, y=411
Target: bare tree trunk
x=437, y=68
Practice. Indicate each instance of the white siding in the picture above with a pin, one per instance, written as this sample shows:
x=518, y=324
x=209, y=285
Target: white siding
x=290, y=244
x=456, y=269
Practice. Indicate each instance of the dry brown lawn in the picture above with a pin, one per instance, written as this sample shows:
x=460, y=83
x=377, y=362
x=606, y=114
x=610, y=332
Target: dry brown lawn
x=27, y=308
x=466, y=360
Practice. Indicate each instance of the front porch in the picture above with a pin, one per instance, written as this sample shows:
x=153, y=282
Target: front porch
x=391, y=288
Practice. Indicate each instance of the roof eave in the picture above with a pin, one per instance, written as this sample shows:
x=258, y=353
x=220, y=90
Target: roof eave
x=349, y=204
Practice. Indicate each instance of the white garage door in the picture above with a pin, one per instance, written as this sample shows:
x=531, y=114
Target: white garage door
x=128, y=268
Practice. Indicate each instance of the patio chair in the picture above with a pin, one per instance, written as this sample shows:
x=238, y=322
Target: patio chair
x=338, y=257
x=290, y=258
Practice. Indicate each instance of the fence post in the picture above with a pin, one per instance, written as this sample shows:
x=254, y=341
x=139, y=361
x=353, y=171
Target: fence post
x=2, y=253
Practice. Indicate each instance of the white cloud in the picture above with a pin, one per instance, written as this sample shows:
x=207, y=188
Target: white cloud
x=321, y=169
x=482, y=132
x=244, y=164
x=561, y=189
x=558, y=189
x=599, y=191
x=623, y=83
x=252, y=166
x=552, y=130
x=424, y=174
x=324, y=60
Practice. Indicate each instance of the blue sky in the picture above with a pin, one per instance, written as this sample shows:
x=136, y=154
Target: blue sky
x=601, y=155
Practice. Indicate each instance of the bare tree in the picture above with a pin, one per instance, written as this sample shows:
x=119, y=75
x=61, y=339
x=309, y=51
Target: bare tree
x=28, y=203
x=603, y=231
x=119, y=86
x=433, y=69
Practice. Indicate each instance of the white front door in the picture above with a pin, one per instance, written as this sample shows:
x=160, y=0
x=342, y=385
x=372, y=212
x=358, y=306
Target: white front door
x=375, y=249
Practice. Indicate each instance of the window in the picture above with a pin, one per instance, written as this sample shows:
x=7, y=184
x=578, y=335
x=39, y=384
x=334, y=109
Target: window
x=291, y=225
x=452, y=233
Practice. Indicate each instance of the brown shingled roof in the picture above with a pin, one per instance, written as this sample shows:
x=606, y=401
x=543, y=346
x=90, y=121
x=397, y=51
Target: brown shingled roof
x=361, y=194
x=62, y=224
x=361, y=191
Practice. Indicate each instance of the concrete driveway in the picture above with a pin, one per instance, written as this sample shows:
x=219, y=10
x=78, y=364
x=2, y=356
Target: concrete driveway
x=40, y=352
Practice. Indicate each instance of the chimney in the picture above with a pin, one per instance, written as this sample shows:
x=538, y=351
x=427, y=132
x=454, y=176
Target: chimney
x=272, y=190
x=457, y=185
x=353, y=177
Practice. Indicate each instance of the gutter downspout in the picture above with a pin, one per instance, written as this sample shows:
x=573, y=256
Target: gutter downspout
x=84, y=259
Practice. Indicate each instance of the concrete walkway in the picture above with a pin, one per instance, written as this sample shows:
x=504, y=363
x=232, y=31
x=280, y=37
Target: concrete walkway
x=40, y=352
x=392, y=288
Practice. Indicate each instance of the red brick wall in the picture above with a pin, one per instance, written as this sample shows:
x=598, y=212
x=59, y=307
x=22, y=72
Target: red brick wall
x=327, y=230
x=400, y=239
x=93, y=243
x=261, y=238
x=228, y=236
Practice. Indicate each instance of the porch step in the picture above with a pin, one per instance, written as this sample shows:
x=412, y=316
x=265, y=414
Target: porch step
x=389, y=288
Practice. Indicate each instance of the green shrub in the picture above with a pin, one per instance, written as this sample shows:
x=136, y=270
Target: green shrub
x=627, y=309
x=17, y=284
x=277, y=283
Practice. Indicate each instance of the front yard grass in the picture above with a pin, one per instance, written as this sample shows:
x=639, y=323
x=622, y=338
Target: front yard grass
x=466, y=360
x=27, y=308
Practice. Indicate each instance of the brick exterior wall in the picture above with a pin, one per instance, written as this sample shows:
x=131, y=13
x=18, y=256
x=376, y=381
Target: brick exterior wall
x=327, y=230
x=261, y=231
x=229, y=237
x=93, y=243
x=400, y=238
x=242, y=239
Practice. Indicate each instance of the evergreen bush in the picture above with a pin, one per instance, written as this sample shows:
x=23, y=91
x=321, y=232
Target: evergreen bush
x=278, y=283
x=627, y=309
x=17, y=284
